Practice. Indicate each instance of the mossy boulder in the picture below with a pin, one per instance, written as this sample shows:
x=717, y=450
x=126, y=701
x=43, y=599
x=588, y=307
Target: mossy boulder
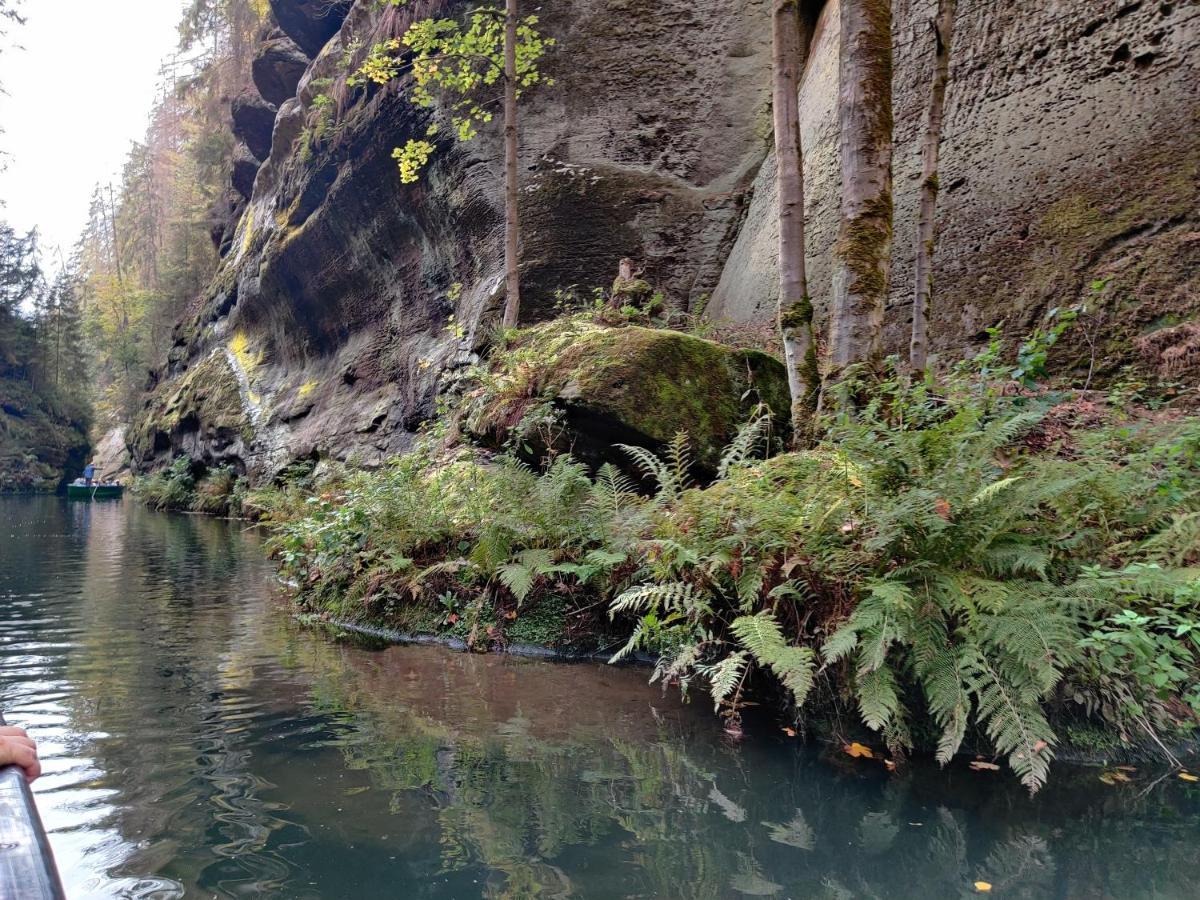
x=201, y=415
x=572, y=385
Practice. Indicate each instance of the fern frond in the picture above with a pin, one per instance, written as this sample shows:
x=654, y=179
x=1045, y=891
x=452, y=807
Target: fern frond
x=671, y=596
x=651, y=466
x=518, y=579
x=724, y=676
x=762, y=637
x=1013, y=719
x=749, y=439
x=878, y=701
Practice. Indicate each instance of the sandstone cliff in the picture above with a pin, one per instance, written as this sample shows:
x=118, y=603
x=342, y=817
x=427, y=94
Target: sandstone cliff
x=1071, y=153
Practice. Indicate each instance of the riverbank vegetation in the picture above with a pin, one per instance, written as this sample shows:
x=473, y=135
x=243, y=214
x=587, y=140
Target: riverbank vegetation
x=967, y=563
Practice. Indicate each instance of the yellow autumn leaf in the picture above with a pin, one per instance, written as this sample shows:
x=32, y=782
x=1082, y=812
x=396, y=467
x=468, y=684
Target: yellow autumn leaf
x=983, y=887
x=1187, y=776
x=857, y=750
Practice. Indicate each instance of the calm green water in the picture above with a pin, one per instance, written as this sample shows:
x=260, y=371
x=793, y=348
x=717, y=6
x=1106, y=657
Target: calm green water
x=199, y=743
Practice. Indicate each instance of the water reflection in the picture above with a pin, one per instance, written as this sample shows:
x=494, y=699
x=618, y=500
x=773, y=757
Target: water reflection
x=199, y=743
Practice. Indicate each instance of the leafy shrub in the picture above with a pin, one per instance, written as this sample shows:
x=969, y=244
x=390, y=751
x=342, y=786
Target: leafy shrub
x=218, y=491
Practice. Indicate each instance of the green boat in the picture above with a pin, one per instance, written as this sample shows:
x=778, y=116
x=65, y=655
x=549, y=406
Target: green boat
x=95, y=491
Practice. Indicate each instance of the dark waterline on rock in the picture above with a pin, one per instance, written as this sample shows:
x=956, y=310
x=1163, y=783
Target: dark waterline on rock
x=199, y=742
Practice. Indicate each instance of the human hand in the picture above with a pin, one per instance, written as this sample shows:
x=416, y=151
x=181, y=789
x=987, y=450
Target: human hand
x=18, y=749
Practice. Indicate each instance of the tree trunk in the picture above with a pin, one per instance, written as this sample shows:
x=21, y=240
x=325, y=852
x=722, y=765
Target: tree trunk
x=943, y=31
x=795, y=305
x=863, y=253
x=512, y=226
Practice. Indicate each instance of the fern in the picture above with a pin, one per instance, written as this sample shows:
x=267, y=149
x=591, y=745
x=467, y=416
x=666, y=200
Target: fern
x=749, y=440
x=725, y=675
x=670, y=472
x=1010, y=710
x=678, y=595
x=763, y=639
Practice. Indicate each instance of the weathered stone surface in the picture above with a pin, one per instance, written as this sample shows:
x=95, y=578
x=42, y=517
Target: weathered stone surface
x=1067, y=155
x=277, y=69
x=346, y=278
x=202, y=415
x=253, y=122
x=223, y=218
x=1071, y=153
x=631, y=385
x=310, y=23
x=245, y=168
x=111, y=455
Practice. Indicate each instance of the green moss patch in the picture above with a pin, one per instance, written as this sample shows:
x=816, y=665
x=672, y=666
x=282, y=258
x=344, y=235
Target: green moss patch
x=591, y=387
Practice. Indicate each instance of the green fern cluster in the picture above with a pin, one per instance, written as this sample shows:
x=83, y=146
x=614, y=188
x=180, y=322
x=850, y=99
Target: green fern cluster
x=934, y=561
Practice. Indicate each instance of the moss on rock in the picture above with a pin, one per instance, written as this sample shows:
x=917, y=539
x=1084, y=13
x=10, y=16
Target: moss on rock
x=201, y=415
x=630, y=385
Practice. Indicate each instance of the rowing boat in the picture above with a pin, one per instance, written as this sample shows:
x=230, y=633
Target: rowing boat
x=94, y=491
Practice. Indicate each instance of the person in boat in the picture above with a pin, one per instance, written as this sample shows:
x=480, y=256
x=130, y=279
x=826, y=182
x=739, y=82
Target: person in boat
x=89, y=472
x=18, y=749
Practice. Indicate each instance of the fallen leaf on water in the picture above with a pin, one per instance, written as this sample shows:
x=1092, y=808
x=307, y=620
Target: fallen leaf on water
x=982, y=886
x=1114, y=777
x=790, y=732
x=857, y=750
x=890, y=764
x=980, y=766
x=1188, y=776
x=1127, y=768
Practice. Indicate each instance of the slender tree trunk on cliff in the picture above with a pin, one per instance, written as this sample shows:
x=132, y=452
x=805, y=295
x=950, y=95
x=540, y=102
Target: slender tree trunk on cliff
x=512, y=226
x=862, y=258
x=795, y=305
x=943, y=32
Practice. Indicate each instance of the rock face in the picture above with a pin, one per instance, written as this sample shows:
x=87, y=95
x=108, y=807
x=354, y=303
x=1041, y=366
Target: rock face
x=1071, y=151
x=39, y=448
x=277, y=69
x=310, y=23
x=581, y=388
x=253, y=122
x=245, y=168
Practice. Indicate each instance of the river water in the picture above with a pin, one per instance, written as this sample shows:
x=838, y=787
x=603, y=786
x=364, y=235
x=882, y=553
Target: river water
x=198, y=742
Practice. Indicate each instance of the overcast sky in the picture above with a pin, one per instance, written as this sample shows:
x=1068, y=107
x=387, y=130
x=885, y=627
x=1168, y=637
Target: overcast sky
x=80, y=82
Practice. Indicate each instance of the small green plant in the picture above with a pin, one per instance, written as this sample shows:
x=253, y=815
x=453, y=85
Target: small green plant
x=1034, y=350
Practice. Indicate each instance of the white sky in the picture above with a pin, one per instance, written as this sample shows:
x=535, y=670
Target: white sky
x=78, y=93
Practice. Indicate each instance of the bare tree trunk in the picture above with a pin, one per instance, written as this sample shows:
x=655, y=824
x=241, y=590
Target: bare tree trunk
x=863, y=253
x=943, y=31
x=512, y=226
x=795, y=305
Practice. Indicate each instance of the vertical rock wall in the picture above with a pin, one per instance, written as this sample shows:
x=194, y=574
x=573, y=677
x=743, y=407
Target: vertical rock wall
x=1070, y=154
